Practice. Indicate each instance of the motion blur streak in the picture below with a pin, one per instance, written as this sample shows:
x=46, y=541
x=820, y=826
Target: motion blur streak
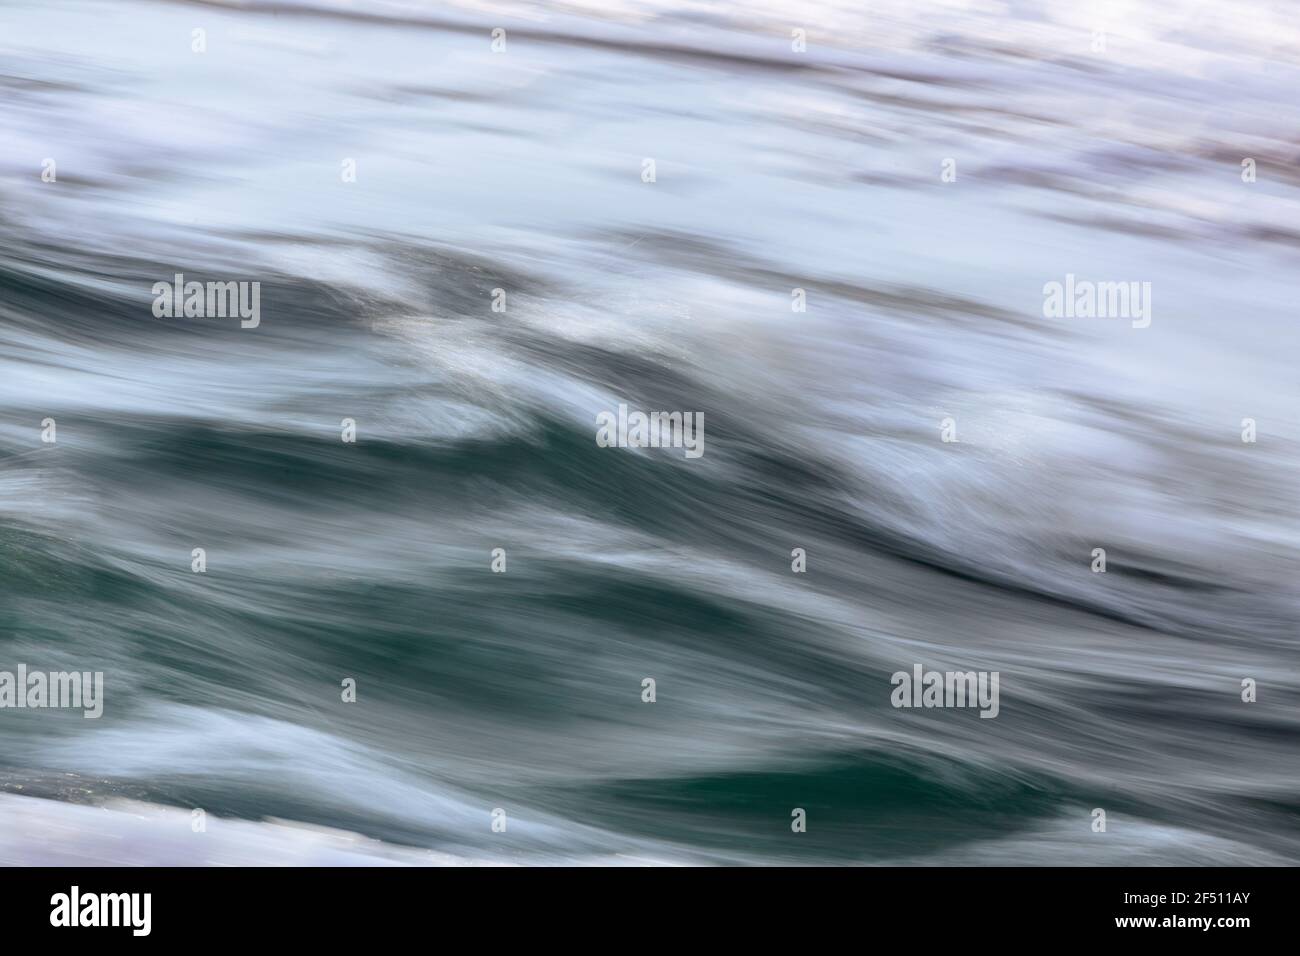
x=776, y=170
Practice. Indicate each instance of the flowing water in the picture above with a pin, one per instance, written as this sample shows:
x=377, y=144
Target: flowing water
x=775, y=170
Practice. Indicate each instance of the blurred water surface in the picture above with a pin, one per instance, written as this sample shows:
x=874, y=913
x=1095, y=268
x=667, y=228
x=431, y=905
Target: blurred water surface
x=776, y=170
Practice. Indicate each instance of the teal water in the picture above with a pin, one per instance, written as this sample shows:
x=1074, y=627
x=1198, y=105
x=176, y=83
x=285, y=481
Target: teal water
x=522, y=690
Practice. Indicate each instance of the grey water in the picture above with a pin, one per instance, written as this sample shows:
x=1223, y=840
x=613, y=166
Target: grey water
x=1101, y=141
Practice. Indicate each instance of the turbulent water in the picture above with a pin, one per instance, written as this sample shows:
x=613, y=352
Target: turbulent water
x=522, y=170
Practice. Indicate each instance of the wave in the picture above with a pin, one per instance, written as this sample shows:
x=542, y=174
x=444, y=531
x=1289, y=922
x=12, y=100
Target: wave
x=371, y=560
